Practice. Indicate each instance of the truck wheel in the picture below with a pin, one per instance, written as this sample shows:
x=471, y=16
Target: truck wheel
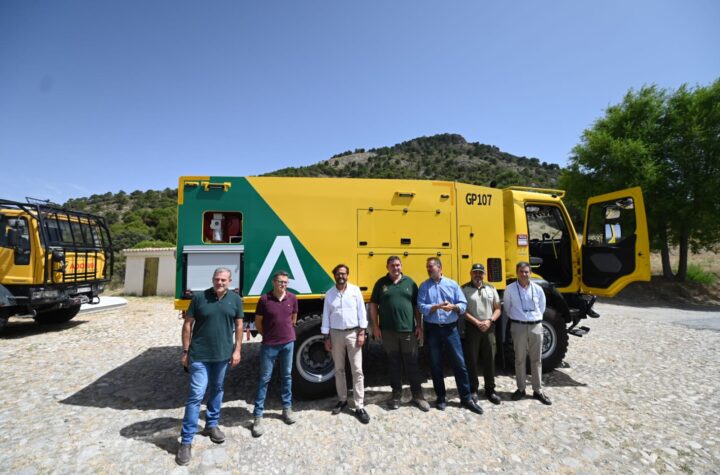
x=4, y=317
x=313, y=370
x=57, y=316
x=555, y=340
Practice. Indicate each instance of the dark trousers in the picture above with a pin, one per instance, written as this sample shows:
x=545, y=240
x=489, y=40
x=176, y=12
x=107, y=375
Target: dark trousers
x=480, y=351
x=402, y=350
x=447, y=336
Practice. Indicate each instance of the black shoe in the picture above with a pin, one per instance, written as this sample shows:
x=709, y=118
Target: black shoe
x=362, y=415
x=517, y=395
x=215, y=434
x=441, y=403
x=540, y=396
x=493, y=397
x=394, y=402
x=184, y=454
x=473, y=406
x=339, y=407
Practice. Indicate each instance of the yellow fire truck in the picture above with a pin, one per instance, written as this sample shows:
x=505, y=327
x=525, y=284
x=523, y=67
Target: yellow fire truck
x=52, y=260
x=257, y=225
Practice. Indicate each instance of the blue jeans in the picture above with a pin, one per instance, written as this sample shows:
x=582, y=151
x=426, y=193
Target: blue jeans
x=268, y=355
x=447, y=335
x=203, y=376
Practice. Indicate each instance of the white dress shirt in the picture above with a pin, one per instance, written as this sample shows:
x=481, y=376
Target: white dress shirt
x=343, y=310
x=524, y=304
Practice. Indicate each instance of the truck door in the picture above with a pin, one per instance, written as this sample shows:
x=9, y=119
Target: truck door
x=615, y=248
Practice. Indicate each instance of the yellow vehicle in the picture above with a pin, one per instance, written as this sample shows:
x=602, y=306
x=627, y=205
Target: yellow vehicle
x=52, y=260
x=306, y=226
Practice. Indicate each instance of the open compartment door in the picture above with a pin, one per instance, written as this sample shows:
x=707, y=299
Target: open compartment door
x=615, y=249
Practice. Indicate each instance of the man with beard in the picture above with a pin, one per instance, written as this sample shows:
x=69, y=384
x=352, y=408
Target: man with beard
x=344, y=324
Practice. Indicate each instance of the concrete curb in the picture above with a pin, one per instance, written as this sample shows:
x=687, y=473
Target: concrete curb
x=106, y=303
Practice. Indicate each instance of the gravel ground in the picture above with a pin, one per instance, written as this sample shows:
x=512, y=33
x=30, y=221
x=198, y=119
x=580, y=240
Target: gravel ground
x=104, y=393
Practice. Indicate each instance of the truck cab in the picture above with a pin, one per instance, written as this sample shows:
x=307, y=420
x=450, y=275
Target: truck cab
x=52, y=260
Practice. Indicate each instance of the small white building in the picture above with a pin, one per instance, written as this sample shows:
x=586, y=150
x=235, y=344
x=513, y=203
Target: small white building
x=150, y=271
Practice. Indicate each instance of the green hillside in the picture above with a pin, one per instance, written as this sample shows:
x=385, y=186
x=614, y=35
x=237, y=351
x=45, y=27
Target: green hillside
x=148, y=218
x=439, y=157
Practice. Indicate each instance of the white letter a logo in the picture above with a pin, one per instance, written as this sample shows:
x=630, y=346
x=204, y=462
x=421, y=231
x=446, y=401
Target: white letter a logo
x=282, y=244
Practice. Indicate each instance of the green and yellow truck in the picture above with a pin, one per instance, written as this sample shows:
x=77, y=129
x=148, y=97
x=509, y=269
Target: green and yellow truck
x=257, y=225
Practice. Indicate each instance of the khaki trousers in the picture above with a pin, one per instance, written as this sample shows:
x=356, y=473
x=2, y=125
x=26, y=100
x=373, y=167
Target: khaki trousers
x=527, y=341
x=344, y=343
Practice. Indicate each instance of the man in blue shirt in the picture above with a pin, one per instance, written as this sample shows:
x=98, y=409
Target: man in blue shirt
x=440, y=301
x=525, y=305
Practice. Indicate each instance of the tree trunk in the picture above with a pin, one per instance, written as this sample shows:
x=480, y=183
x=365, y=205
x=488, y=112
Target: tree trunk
x=665, y=255
x=683, y=257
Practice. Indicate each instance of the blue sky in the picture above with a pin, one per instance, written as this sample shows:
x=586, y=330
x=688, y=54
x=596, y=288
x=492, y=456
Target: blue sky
x=99, y=95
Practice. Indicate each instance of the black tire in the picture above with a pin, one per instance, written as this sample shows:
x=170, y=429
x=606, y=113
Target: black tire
x=57, y=316
x=313, y=371
x=4, y=317
x=555, y=340
x=555, y=344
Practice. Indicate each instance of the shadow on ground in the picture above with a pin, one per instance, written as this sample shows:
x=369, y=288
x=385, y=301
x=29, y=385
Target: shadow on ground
x=28, y=327
x=163, y=432
x=155, y=379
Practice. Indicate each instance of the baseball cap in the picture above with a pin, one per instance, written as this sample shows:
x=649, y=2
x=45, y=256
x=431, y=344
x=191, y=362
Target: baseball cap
x=479, y=267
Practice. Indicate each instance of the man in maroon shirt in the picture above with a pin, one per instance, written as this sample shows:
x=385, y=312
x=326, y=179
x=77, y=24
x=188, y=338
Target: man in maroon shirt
x=275, y=318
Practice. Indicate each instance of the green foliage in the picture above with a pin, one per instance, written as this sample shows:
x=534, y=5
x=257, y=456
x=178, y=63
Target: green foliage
x=153, y=243
x=439, y=157
x=695, y=273
x=667, y=142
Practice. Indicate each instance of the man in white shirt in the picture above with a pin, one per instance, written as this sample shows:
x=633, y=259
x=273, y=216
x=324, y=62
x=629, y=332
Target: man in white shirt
x=344, y=325
x=524, y=303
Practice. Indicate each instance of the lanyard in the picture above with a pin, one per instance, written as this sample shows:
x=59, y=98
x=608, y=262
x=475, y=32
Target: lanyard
x=522, y=300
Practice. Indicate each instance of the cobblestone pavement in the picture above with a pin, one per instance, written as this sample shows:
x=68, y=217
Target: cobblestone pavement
x=104, y=393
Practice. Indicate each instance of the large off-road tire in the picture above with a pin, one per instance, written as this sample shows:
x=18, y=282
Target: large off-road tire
x=313, y=371
x=4, y=317
x=555, y=340
x=57, y=316
x=555, y=344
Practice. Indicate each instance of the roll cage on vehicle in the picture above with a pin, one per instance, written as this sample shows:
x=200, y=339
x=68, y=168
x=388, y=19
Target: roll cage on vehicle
x=62, y=232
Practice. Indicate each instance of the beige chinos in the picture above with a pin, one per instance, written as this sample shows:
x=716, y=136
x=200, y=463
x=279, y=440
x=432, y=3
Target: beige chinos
x=528, y=341
x=345, y=341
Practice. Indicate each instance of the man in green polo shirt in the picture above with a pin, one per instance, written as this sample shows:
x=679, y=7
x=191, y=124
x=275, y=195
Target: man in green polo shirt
x=397, y=323
x=478, y=328
x=207, y=341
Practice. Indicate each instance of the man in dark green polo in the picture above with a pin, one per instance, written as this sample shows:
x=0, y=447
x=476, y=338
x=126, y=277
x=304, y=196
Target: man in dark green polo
x=397, y=323
x=207, y=342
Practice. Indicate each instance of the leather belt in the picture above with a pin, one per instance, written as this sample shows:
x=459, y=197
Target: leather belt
x=521, y=322
x=442, y=325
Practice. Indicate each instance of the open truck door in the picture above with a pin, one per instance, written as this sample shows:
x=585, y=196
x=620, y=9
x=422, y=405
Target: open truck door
x=615, y=248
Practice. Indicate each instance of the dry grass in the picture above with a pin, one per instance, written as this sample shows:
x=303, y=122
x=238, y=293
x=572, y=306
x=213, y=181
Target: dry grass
x=662, y=292
x=707, y=261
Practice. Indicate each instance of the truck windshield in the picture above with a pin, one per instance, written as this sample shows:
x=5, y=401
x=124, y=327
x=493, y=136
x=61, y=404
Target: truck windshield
x=61, y=232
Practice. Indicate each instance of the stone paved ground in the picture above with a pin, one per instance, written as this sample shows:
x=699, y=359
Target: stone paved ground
x=104, y=394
